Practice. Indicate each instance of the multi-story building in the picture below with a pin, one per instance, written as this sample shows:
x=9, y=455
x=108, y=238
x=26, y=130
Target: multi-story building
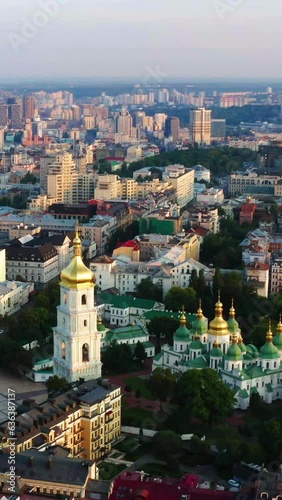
x=15, y=111
x=29, y=107
x=62, y=178
x=172, y=126
x=211, y=196
x=253, y=184
x=99, y=229
x=218, y=129
x=182, y=180
x=276, y=275
x=230, y=99
x=4, y=116
x=124, y=123
x=86, y=420
x=200, y=126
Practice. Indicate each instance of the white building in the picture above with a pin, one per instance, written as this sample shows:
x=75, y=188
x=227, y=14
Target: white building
x=202, y=173
x=76, y=338
x=220, y=346
x=182, y=180
x=13, y=295
x=211, y=196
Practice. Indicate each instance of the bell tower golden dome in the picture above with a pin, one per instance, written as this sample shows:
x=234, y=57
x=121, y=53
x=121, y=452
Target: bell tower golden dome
x=76, y=273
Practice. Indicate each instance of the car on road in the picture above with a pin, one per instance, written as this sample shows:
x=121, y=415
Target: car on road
x=234, y=483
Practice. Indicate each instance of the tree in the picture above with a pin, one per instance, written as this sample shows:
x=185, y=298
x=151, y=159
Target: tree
x=164, y=326
x=178, y=297
x=166, y=444
x=162, y=383
x=139, y=351
x=28, y=179
x=147, y=290
x=117, y=358
x=193, y=283
x=206, y=394
x=201, y=284
x=56, y=383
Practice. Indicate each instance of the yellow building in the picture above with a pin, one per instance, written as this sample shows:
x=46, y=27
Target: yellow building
x=86, y=420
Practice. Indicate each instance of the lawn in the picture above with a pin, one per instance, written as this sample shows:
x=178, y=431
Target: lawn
x=127, y=444
x=139, y=384
x=159, y=470
x=108, y=470
x=137, y=417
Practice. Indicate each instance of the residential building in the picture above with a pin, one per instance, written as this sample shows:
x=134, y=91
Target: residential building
x=76, y=338
x=99, y=229
x=29, y=107
x=4, y=117
x=276, y=275
x=247, y=212
x=182, y=180
x=126, y=276
x=206, y=218
x=219, y=346
x=124, y=310
x=154, y=245
x=86, y=421
x=211, y=196
x=13, y=295
x=161, y=221
x=257, y=275
x=62, y=178
x=200, y=126
x=124, y=123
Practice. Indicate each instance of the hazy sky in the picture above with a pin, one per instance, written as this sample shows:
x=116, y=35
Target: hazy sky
x=140, y=38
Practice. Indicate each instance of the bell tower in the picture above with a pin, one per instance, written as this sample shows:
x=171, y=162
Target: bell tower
x=76, y=338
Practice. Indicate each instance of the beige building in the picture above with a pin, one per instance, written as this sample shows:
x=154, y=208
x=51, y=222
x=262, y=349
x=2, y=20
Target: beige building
x=86, y=420
x=182, y=180
x=276, y=275
x=61, y=177
x=200, y=126
x=112, y=187
x=240, y=183
x=23, y=230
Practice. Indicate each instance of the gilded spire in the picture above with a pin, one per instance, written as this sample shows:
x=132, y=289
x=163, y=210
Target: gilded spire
x=279, y=326
x=218, y=326
x=269, y=335
x=77, y=250
x=234, y=338
x=183, y=317
x=200, y=312
x=76, y=274
x=218, y=307
x=232, y=311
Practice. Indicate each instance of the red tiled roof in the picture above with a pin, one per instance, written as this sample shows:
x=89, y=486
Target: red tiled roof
x=200, y=231
x=128, y=244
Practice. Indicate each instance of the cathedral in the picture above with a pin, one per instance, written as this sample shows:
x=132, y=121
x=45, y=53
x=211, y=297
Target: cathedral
x=76, y=336
x=219, y=345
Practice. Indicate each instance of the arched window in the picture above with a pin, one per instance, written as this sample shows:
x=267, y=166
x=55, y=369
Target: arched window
x=85, y=352
x=274, y=364
x=85, y=322
x=83, y=300
x=65, y=298
x=63, y=350
x=267, y=364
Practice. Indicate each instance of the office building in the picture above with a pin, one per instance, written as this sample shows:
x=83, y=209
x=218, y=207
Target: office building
x=29, y=107
x=200, y=126
x=172, y=125
x=218, y=129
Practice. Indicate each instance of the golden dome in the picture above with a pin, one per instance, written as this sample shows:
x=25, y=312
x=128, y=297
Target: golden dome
x=232, y=311
x=76, y=273
x=200, y=312
x=269, y=335
x=218, y=326
x=279, y=325
x=183, y=321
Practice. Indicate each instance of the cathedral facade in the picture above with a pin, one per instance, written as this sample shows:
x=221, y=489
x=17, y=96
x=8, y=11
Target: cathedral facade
x=219, y=345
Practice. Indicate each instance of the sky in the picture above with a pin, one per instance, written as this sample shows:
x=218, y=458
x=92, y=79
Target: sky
x=146, y=40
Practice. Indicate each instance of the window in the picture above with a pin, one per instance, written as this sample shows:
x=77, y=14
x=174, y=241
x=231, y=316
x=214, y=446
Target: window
x=63, y=350
x=83, y=300
x=85, y=353
x=65, y=298
x=85, y=322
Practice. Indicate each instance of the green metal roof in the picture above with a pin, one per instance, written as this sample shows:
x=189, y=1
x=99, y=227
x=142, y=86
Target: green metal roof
x=234, y=353
x=243, y=394
x=233, y=325
x=126, y=301
x=196, y=344
x=168, y=314
x=269, y=351
x=277, y=341
x=199, y=362
x=200, y=326
x=158, y=356
x=182, y=333
x=216, y=352
x=125, y=333
x=269, y=388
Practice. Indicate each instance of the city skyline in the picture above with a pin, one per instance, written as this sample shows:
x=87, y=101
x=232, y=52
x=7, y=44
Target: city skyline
x=157, y=41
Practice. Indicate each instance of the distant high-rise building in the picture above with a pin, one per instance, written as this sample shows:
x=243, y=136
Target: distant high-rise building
x=15, y=115
x=218, y=129
x=200, y=126
x=89, y=122
x=2, y=138
x=61, y=177
x=124, y=123
x=4, y=117
x=172, y=126
x=29, y=107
